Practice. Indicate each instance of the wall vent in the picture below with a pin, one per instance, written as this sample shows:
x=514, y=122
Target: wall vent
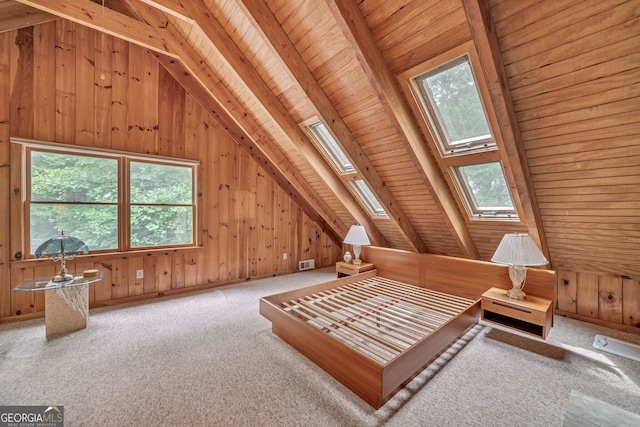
x=307, y=264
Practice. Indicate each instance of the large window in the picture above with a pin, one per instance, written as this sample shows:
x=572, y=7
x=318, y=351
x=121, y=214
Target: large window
x=112, y=202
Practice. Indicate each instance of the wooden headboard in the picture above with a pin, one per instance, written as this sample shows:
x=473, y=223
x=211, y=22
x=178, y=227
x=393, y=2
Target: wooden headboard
x=459, y=276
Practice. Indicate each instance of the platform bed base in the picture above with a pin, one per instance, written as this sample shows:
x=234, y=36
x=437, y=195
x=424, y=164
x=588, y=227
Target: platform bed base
x=371, y=333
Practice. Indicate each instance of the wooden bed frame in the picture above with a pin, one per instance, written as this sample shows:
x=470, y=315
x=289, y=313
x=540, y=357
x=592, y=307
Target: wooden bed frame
x=375, y=331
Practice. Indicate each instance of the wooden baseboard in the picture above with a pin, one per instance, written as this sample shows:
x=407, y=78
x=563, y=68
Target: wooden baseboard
x=616, y=326
x=22, y=317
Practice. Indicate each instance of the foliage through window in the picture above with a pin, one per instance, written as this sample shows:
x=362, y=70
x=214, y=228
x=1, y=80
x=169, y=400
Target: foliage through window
x=82, y=196
x=454, y=107
x=161, y=204
x=74, y=194
x=485, y=189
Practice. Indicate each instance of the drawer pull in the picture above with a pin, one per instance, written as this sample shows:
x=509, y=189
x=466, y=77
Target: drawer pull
x=524, y=310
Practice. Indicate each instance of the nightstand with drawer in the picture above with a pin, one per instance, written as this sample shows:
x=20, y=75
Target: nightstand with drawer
x=532, y=315
x=347, y=268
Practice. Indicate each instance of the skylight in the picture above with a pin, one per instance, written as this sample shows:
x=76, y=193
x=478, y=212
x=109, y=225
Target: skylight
x=449, y=94
x=485, y=190
x=330, y=148
x=454, y=108
x=368, y=198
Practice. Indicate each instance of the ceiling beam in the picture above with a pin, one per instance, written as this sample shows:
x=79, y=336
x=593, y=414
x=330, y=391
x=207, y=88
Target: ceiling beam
x=92, y=15
x=199, y=80
x=172, y=8
x=486, y=42
x=241, y=65
x=14, y=16
x=355, y=29
x=299, y=72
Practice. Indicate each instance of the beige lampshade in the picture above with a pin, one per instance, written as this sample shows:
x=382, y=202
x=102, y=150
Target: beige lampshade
x=357, y=235
x=518, y=249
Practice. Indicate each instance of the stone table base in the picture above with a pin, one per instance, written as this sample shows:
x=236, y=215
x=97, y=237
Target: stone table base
x=66, y=309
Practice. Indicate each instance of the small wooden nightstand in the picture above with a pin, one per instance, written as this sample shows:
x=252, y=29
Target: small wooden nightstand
x=347, y=269
x=532, y=315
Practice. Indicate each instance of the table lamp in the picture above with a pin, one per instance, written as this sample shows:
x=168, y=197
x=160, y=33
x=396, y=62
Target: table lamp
x=357, y=236
x=61, y=248
x=518, y=251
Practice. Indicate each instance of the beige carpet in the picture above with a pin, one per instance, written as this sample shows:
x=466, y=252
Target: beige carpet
x=210, y=359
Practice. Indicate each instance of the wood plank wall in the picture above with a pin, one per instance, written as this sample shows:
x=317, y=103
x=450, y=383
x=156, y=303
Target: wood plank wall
x=52, y=88
x=574, y=74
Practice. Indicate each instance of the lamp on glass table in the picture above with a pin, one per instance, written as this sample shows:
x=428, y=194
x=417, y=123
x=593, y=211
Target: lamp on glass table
x=62, y=248
x=357, y=236
x=518, y=250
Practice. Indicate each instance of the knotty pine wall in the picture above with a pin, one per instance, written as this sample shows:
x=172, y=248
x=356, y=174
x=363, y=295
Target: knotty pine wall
x=51, y=89
x=573, y=72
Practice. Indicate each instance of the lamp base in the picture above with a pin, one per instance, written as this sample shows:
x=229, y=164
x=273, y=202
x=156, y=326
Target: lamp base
x=60, y=278
x=356, y=252
x=517, y=274
x=516, y=293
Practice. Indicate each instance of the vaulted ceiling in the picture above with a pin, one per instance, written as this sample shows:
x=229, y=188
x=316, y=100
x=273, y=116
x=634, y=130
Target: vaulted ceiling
x=264, y=67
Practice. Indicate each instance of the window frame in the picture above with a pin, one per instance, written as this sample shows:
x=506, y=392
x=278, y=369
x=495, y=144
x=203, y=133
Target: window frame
x=28, y=201
x=368, y=198
x=473, y=209
x=124, y=160
x=130, y=204
x=330, y=150
x=434, y=116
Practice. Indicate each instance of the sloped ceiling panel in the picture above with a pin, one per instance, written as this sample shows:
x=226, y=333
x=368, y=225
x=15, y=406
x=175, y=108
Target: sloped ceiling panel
x=574, y=74
x=325, y=50
x=355, y=53
x=411, y=32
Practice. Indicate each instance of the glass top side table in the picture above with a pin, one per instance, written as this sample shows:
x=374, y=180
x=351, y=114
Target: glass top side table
x=66, y=306
x=32, y=285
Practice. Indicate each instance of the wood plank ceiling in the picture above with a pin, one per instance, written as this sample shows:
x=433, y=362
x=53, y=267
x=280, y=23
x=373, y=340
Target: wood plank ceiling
x=264, y=67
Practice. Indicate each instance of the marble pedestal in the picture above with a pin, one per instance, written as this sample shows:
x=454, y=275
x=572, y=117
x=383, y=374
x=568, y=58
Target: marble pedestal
x=66, y=309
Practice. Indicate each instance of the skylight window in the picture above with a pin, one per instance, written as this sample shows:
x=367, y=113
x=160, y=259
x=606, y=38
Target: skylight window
x=454, y=108
x=330, y=148
x=368, y=198
x=449, y=93
x=485, y=189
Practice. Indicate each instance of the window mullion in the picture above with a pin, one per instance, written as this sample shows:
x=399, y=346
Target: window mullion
x=26, y=205
x=471, y=158
x=124, y=208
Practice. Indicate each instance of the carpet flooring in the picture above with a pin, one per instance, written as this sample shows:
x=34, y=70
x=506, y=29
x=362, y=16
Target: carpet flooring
x=209, y=359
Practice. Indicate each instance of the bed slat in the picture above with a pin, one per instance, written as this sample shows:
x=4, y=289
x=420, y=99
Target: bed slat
x=335, y=329
x=432, y=319
x=360, y=309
